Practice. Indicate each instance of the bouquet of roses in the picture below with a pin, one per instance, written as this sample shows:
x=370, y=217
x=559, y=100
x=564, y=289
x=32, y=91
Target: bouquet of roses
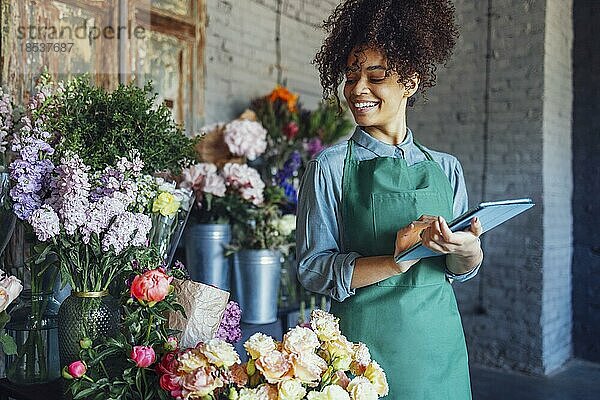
x=314, y=362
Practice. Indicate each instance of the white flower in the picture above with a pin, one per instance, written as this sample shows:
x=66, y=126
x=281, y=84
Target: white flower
x=291, y=389
x=285, y=225
x=331, y=392
x=45, y=223
x=245, y=138
x=164, y=186
x=259, y=344
x=220, y=353
x=361, y=354
x=300, y=340
x=128, y=229
x=325, y=325
x=377, y=377
x=10, y=287
x=360, y=388
x=274, y=366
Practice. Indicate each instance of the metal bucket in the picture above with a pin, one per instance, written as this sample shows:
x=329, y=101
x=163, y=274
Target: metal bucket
x=257, y=274
x=204, y=253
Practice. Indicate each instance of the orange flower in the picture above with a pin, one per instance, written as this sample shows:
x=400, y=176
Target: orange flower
x=282, y=93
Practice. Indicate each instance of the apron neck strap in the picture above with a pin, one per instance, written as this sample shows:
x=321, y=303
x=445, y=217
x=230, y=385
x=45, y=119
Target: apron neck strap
x=420, y=146
x=350, y=150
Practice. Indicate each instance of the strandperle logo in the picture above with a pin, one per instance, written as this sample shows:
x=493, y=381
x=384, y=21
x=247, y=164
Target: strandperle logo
x=83, y=31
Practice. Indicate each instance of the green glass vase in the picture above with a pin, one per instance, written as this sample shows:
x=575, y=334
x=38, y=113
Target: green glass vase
x=91, y=315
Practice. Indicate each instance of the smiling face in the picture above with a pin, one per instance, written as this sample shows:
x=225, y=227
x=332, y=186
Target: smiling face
x=376, y=99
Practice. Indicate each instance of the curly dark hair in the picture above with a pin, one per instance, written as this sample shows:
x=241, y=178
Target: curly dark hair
x=413, y=35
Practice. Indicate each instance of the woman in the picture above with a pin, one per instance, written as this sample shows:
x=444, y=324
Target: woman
x=366, y=200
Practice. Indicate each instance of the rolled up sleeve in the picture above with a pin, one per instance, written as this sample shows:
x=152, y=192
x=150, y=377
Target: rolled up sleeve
x=322, y=266
x=461, y=205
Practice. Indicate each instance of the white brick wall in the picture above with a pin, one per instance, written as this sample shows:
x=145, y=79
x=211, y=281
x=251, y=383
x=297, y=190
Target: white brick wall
x=240, y=58
x=558, y=184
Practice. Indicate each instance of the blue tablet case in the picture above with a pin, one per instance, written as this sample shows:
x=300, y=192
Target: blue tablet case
x=491, y=214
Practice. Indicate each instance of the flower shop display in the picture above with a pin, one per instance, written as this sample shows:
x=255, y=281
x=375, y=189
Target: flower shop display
x=312, y=362
x=81, y=182
x=223, y=195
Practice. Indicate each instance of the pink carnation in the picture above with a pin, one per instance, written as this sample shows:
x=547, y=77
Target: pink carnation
x=246, y=180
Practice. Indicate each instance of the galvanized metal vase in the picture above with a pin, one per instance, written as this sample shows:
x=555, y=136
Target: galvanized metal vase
x=204, y=253
x=257, y=274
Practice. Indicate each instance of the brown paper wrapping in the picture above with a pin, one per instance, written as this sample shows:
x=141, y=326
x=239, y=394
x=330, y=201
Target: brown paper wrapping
x=204, y=306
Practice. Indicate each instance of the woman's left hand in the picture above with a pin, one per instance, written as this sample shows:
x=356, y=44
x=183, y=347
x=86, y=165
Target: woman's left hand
x=439, y=238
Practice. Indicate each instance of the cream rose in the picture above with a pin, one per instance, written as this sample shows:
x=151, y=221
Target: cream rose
x=220, y=353
x=325, y=325
x=291, y=390
x=360, y=388
x=274, y=366
x=300, y=340
x=192, y=360
x=308, y=367
x=259, y=344
x=375, y=374
x=331, y=392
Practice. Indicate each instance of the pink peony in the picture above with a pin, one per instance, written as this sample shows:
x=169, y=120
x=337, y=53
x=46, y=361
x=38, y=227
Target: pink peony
x=143, y=356
x=151, y=286
x=77, y=369
x=246, y=181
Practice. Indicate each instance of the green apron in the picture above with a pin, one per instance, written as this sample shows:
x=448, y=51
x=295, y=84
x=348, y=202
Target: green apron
x=410, y=322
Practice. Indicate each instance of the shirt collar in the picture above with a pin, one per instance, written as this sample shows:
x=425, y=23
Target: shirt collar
x=380, y=148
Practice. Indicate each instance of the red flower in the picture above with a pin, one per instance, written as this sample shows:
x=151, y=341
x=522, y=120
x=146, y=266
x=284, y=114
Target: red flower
x=77, y=369
x=152, y=286
x=291, y=130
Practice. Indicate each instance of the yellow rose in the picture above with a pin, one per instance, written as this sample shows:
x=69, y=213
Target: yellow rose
x=291, y=390
x=375, y=374
x=340, y=352
x=166, y=203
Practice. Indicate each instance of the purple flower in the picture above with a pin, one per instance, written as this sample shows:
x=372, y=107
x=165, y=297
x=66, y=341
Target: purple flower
x=229, y=329
x=314, y=146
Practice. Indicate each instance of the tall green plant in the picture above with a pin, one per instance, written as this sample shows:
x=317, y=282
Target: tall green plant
x=104, y=126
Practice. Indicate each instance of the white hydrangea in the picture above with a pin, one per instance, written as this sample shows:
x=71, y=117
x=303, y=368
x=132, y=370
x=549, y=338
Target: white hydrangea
x=245, y=138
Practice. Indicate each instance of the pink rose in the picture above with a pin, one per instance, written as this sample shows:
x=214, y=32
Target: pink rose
x=291, y=129
x=201, y=381
x=152, y=286
x=143, y=356
x=77, y=369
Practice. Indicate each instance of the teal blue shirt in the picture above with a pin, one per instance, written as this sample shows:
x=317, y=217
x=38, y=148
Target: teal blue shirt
x=322, y=266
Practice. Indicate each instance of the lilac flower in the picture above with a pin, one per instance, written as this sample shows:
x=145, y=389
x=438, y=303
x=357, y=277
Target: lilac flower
x=229, y=329
x=45, y=223
x=245, y=138
x=70, y=192
x=128, y=229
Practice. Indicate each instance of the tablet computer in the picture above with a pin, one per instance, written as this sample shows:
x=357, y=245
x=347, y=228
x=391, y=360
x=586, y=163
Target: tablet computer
x=491, y=214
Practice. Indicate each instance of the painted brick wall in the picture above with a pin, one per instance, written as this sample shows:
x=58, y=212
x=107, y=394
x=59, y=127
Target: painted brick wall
x=558, y=184
x=586, y=177
x=240, y=58
x=517, y=312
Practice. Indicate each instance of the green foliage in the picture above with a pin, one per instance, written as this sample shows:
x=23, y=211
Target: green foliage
x=258, y=227
x=326, y=122
x=102, y=127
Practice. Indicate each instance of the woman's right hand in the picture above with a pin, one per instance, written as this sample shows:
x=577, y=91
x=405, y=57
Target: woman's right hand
x=409, y=235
